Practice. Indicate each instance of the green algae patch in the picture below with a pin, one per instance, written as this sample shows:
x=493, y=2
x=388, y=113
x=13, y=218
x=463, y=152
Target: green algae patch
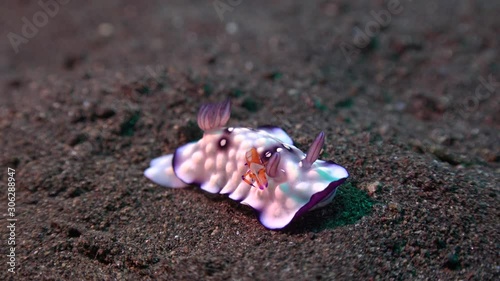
x=250, y=104
x=127, y=128
x=350, y=204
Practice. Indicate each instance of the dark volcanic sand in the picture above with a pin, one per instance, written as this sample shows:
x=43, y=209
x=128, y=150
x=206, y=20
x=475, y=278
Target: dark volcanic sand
x=102, y=88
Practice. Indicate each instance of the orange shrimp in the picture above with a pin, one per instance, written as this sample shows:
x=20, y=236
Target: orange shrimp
x=256, y=173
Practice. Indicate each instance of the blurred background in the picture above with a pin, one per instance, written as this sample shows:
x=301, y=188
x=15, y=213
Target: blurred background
x=435, y=61
x=448, y=48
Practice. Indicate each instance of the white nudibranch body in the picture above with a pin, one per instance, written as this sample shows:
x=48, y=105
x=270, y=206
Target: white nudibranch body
x=258, y=167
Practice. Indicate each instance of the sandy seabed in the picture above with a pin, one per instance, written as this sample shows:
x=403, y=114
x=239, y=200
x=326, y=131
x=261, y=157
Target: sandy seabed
x=407, y=95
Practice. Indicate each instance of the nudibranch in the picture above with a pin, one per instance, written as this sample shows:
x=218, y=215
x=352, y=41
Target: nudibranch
x=258, y=167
